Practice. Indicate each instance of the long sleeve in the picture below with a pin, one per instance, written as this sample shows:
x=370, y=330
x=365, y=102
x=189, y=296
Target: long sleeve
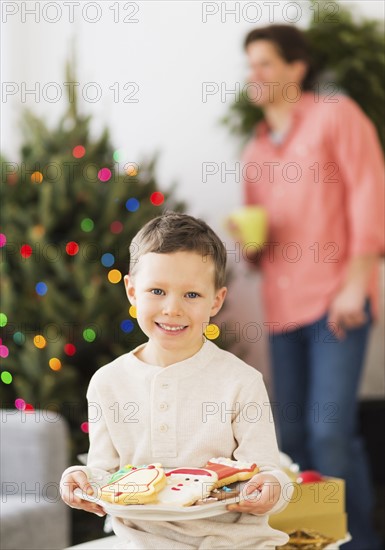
x=359, y=157
x=255, y=417
x=102, y=453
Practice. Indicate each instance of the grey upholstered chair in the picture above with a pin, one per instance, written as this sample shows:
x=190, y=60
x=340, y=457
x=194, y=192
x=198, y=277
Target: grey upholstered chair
x=34, y=453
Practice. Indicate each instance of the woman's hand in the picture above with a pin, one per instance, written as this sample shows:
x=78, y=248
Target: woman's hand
x=259, y=495
x=347, y=310
x=251, y=254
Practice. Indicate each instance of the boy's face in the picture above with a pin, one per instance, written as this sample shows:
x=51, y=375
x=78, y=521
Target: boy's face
x=175, y=297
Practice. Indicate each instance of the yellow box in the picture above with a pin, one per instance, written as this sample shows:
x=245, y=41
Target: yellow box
x=334, y=525
x=319, y=506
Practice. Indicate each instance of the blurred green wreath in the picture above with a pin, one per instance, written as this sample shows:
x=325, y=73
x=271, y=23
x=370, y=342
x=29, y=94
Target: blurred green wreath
x=348, y=53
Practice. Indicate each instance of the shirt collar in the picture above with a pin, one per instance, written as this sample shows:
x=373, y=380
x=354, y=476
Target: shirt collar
x=181, y=369
x=299, y=110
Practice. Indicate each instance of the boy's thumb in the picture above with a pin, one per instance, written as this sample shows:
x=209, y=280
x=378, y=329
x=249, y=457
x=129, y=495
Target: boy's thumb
x=83, y=483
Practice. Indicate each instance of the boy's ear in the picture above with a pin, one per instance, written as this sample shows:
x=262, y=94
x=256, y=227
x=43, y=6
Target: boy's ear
x=220, y=296
x=130, y=289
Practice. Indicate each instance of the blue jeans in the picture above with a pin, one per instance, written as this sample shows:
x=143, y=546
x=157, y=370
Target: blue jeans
x=316, y=380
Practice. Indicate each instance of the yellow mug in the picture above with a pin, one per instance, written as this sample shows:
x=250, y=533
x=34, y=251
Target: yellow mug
x=248, y=224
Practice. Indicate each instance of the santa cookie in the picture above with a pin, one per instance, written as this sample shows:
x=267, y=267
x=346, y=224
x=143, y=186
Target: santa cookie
x=187, y=485
x=138, y=486
x=230, y=471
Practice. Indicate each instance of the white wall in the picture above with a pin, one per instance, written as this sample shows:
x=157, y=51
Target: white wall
x=169, y=53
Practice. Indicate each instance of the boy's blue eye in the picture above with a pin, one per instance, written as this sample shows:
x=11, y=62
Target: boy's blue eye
x=157, y=291
x=192, y=294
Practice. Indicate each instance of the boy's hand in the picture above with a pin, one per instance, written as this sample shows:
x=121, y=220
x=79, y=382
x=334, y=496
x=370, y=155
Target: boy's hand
x=266, y=489
x=72, y=481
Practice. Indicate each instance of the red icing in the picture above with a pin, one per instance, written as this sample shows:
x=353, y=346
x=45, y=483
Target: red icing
x=189, y=471
x=175, y=489
x=223, y=470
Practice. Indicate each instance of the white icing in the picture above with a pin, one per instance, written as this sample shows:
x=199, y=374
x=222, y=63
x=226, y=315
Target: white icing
x=135, y=483
x=183, y=489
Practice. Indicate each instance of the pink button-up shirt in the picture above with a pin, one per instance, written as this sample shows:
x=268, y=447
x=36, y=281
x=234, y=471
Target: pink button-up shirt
x=323, y=189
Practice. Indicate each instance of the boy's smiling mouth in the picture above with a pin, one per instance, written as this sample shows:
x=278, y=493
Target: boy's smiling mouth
x=171, y=328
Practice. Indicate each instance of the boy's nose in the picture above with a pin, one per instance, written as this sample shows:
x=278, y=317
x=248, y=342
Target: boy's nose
x=172, y=307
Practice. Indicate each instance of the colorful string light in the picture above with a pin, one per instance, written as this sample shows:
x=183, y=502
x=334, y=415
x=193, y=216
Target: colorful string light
x=89, y=334
x=19, y=338
x=72, y=248
x=84, y=427
x=6, y=377
x=132, y=204
x=108, y=259
x=20, y=404
x=69, y=349
x=114, y=276
x=87, y=225
x=4, y=351
x=55, y=364
x=41, y=289
x=39, y=341
x=118, y=155
x=37, y=177
x=212, y=331
x=127, y=325
x=104, y=174
x=131, y=170
x=116, y=227
x=157, y=198
x=79, y=151
x=26, y=251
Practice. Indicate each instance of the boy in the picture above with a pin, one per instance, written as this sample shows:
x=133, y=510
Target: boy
x=180, y=400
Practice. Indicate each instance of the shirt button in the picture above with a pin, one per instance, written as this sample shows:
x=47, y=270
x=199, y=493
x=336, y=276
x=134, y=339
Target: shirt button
x=163, y=406
x=163, y=427
x=165, y=386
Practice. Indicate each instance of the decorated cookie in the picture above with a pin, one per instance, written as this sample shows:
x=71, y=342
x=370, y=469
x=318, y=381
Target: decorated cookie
x=223, y=493
x=230, y=471
x=307, y=539
x=187, y=485
x=135, y=486
x=122, y=472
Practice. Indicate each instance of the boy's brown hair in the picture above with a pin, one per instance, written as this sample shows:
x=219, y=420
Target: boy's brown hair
x=174, y=232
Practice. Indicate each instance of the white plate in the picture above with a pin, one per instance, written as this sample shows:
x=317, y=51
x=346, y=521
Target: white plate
x=158, y=512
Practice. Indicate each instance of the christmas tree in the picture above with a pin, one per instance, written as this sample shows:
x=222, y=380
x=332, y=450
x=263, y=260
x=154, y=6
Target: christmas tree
x=71, y=206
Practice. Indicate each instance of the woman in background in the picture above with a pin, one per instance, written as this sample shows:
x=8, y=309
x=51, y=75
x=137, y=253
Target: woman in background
x=315, y=164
